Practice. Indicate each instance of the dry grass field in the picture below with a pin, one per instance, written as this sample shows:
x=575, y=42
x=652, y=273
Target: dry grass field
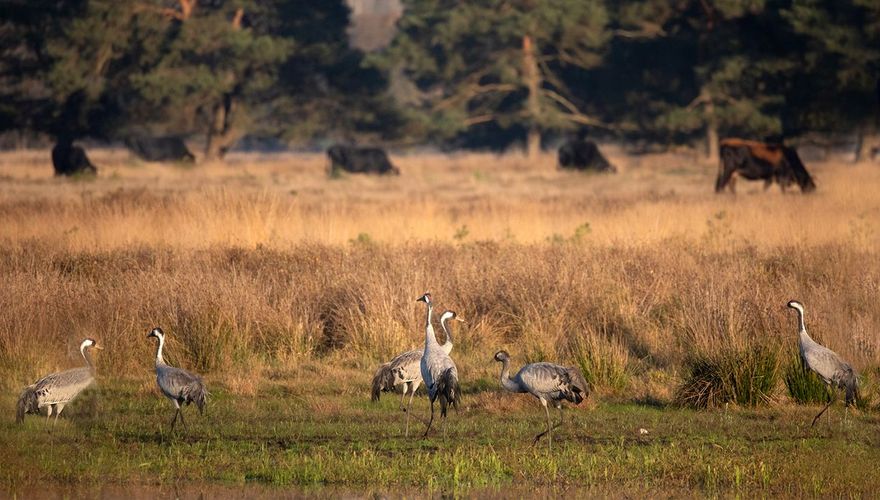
x=268, y=276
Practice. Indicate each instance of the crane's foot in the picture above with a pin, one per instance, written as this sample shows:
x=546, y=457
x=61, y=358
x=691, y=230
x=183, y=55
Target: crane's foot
x=816, y=418
x=539, y=436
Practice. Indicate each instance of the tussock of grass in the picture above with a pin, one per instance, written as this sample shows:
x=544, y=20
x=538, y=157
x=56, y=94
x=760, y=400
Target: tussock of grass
x=744, y=377
x=804, y=386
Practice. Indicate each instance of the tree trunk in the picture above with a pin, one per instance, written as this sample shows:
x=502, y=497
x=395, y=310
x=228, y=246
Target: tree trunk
x=532, y=80
x=221, y=134
x=711, y=129
x=868, y=139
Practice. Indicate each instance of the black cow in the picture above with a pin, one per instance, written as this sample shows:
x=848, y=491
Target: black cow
x=71, y=160
x=168, y=148
x=581, y=154
x=359, y=160
x=755, y=160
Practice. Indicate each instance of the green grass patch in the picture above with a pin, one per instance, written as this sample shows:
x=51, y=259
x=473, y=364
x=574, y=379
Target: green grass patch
x=327, y=443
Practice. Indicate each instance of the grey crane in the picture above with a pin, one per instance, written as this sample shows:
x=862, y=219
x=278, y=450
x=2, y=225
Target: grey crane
x=404, y=370
x=834, y=371
x=548, y=382
x=177, y=384
x=438, y=369
x=55, y=390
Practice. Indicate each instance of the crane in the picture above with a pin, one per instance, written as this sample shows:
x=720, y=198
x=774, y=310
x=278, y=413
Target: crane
x=834, y=371
x=55, y=390
x=177, y=384
x=438, y=369
x=404, y=369
x=548, y=382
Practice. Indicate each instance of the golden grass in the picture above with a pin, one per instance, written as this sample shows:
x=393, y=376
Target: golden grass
x=283, y=200
x=263, y=271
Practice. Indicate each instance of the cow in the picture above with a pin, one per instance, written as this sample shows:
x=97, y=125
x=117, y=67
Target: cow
x=169, y=148
x=755, y=160
x=359, y=161
x=68, y=159
x=581, y=154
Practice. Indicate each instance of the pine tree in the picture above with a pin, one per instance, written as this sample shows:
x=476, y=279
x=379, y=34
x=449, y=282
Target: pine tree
x=497, y=61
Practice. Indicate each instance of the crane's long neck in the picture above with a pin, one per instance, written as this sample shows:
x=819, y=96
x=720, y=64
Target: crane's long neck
x=802, y=328
x=506, y=382
x=444, y=322
x=88, y=358
x=159, y=359
x=430, y=338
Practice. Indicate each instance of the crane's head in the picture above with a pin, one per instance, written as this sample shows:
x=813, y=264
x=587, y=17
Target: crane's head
x=156, y=332
x=447, y=315
x=796, y=305
x=426, y=298
x=502, y=356
x=89, y=344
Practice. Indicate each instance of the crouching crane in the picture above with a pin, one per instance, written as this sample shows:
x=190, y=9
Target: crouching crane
x=177, y=384
x=55, y=390
x=548, y=382
x=834, y=371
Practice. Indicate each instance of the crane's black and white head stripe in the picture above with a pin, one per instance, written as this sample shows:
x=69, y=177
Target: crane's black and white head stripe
x=156, y=332
x=447, y=315
x=796, y=305
x=502, y=356
x=426, y=298
x=88, y=343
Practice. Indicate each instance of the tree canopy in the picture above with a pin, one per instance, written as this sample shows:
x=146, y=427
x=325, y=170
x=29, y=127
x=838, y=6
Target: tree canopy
x=483, y=72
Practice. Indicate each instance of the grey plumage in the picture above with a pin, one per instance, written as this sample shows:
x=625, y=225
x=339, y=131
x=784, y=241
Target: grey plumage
x=177, y=384
x=55, y=390
x=548, y=382
x=831, y=368
x=404, y=368
x=383, y=381
x=438, y=370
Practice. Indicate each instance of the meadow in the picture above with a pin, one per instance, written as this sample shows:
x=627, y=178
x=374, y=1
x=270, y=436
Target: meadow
x=286, y=289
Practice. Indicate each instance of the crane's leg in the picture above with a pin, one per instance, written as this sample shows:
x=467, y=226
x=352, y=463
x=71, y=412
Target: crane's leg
x=408, y=408
x=830, y=402
x=430, y=421
x=550, y=427
x=403, y=395
x=48, y=413
x=176, y=413
x=57, y=412
x=185, y=427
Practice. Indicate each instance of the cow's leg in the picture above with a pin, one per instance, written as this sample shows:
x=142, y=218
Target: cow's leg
x=725, y=175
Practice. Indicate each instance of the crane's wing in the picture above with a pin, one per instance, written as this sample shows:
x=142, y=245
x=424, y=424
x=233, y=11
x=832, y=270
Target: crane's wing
x=554, y=382
x=62, y=386
x=825, y=362
x=405, y=367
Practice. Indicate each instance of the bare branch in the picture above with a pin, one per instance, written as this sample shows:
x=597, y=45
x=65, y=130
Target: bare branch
x=474, y=91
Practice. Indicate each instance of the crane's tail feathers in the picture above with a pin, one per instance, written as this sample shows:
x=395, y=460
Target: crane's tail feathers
x=27, y=403
x=448, y=391
x=851, y=386
x=383, y=381
x=578, y=388
x=198, y=394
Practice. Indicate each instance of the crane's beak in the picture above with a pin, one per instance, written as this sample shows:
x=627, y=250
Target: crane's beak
x=460, y=319
x=96, y=346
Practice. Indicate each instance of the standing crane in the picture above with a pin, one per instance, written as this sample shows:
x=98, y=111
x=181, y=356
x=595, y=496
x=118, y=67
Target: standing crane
x=438, y=369
x=55, y=390
x=547, y=382
x=405, y=369
x=177, y=384
x=834, y=371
